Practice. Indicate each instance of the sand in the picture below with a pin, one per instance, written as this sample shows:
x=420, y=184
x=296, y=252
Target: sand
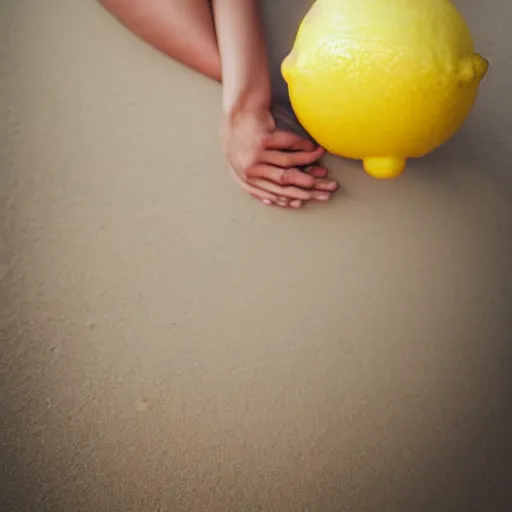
x=159, y=355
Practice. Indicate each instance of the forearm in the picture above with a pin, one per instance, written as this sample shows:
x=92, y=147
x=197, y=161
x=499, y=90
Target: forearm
x=182, y=29
x=244, y=65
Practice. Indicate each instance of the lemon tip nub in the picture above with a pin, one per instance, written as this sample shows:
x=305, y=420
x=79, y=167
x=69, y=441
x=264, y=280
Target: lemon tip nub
x=481, y=66
x=473, y=69
x=384, y=168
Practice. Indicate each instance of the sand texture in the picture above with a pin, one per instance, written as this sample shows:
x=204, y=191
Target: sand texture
x=159, y=355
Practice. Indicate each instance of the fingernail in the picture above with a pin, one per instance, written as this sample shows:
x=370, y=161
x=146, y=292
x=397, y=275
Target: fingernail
x=323, y=197
x=268, y=202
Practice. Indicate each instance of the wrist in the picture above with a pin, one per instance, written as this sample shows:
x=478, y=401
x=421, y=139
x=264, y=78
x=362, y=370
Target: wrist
x=251, y=97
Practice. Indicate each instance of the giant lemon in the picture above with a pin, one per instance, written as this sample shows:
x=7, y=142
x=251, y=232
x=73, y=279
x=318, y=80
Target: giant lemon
x=383, y=80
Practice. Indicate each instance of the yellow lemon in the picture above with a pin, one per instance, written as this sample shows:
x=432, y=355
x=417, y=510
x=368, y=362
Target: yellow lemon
x=383, y=80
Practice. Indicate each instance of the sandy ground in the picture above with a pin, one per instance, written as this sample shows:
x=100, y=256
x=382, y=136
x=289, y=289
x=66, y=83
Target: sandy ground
x=159, y=355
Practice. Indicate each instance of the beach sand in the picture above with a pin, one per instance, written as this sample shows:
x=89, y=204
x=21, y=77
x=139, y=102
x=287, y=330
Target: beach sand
x=159, y=355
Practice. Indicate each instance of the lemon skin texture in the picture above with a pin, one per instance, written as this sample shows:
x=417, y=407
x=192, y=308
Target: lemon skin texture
x=383, y=80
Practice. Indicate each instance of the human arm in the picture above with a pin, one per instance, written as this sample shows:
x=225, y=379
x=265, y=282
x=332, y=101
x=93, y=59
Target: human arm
x=266, y=160
x=182, y=29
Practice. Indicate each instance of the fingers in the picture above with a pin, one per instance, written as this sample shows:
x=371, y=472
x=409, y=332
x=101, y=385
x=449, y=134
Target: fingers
x=286, y=187
x=327, y=185
x=285, y=203
x=291, y=183
x=316, y=171
x=321, y=184
x=293, y=177
x=265, y=196
x=288, y=191
x=282, y=201
x=258, y=193
x=291, y=192
x=280, y=139
x=292, y=158
x=283, y=177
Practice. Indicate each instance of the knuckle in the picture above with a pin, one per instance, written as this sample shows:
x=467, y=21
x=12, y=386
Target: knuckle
x=262, y=141
x=282, y=178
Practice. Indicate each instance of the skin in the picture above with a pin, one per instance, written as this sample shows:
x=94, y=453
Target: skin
x=223, y=40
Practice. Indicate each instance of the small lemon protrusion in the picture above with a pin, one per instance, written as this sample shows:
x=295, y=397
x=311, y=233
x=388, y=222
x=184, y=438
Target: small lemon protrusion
x=473, y=68
x=384, y=168
x=481, y=66
x=383, y=79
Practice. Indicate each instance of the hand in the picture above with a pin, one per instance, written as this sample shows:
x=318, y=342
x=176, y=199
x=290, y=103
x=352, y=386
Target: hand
x=266, y=161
